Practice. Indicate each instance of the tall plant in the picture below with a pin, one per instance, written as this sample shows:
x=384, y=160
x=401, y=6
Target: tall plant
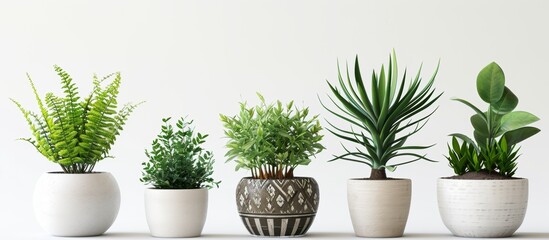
x=497, y=130
x=383, y=119
x=271, y=140
x=77, y=132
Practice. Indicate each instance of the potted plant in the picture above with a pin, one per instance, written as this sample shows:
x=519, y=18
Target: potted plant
x=76, y=133
x=271, y=141
x=484, y=199
x=180, y=171
x=380, y=124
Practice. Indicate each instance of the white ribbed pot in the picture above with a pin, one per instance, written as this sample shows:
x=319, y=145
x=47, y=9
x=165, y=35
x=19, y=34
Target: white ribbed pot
x=379, y=208
x=76, y=205
x=176, y=212
x=482, y=208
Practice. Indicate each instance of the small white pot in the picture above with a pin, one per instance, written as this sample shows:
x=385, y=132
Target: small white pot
x=76, y=205
x=482, y=208
x=176, y=212
x=379, y=208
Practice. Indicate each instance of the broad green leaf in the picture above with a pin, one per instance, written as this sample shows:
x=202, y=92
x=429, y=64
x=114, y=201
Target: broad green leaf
x=480, y=138
x=519, y=135
x=507, y=103
x=491, y=83
x=479, y=124
x=515, y=120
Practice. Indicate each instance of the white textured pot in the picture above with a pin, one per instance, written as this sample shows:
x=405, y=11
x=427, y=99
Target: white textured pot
x=379, y=208
x=176, y=212
x=482, y=208
x=76, y=205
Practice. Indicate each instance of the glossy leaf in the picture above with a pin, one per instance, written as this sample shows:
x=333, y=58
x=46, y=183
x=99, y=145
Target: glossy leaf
x=491, y=83
x=515, y=120
x=507, y=103
x=518, y=135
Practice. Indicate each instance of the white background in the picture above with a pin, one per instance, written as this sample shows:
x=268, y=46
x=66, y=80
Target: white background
x=200, y=58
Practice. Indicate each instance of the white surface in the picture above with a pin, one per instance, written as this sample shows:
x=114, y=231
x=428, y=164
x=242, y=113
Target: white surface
x=487, y=209
x=379, y=208
x=176, y=212
x=76, y=205
x=200, y=58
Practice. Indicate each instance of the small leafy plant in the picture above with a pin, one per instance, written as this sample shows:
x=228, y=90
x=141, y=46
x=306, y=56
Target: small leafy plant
x=77, y=132
x=497, y=131
x=177, y=160
x=271, y=140
x=382, y=120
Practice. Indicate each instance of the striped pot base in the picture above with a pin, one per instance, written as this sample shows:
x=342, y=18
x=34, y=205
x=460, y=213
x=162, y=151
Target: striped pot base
x=277, y=225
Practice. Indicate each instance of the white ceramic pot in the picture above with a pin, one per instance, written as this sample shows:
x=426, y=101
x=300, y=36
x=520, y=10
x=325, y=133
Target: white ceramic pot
x=176, y=212
x=379, y=208
x=482, y=208
x=76, y=205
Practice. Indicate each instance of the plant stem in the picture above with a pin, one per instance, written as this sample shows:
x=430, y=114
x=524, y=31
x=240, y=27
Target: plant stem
x=378, y=174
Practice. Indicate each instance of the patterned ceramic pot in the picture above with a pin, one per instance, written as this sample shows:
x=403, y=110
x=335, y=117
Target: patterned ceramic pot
x=482, y=208
x=270, y=207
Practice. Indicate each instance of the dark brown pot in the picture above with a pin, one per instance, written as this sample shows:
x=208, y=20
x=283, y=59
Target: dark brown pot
x=272, y=207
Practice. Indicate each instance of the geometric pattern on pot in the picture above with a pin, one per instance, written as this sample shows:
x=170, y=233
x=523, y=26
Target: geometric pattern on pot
x=273, y=225
x=277, y=196
x=277, y=207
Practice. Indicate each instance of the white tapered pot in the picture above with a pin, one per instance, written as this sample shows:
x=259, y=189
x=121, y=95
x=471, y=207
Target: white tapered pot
x=76, y=205
x=379, y=208
x=176, y=212
x=482, y=208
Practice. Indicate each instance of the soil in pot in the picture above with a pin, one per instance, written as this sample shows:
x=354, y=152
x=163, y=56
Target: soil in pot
x=481, y=175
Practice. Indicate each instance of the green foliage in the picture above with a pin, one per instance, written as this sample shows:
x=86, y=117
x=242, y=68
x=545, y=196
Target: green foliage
x=496, y=131
x=271, y=140
x=382, y=120
x=177, y=160
x=73, y=132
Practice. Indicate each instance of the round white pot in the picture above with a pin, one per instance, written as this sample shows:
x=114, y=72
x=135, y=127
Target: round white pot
x=176, y=212
x=379, y=208
x=76, y=205
x=482, y=208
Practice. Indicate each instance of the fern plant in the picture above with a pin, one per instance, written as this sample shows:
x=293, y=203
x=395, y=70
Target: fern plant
x=271, y=140
x=383, y=119
x=177, y=160
x=497, y=131
x=76, y=132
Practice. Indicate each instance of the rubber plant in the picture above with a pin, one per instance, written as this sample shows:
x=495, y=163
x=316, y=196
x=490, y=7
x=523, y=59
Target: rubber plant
x=485, y=164
x=497, y=130
x=381, y=120
x=77, y=132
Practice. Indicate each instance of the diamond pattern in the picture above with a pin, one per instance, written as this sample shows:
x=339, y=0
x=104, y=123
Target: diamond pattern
x=287, y=196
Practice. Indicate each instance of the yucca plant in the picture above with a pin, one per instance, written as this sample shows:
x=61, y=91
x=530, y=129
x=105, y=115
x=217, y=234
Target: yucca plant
x=271, y=140
x=383, y=119
x=77, y=132
x=497, y=131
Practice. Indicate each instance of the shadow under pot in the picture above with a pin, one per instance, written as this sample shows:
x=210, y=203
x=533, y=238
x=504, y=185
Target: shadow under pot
x=277, y=207
x=176, y=212
x=379, y=208
x=482, y=208
x=76, y=205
